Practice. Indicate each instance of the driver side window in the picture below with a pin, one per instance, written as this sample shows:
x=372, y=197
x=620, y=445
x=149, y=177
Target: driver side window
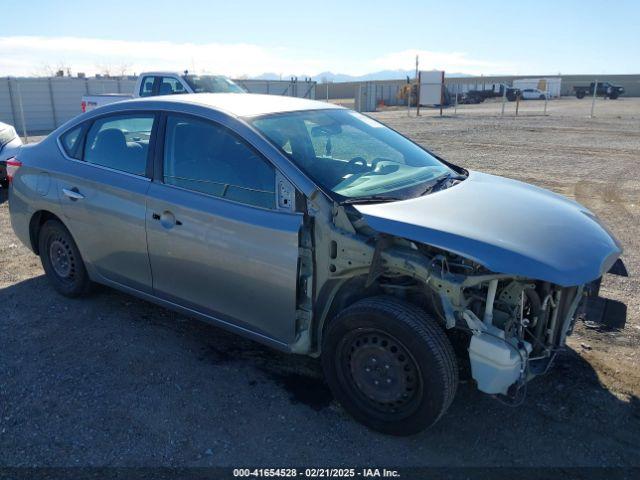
x=208, y=158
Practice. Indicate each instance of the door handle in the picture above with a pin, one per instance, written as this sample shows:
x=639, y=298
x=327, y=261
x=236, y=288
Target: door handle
x=72, y=193
x=167, y=219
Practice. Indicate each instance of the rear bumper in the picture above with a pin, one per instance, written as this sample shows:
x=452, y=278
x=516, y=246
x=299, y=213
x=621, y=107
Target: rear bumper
x=20, y=215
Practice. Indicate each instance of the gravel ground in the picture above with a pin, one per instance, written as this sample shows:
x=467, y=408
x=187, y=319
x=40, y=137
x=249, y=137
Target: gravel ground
x=110, y=380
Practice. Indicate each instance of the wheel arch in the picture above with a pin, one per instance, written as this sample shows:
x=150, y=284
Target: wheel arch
x=38, y=219
x=339, y=294
x=336, y=295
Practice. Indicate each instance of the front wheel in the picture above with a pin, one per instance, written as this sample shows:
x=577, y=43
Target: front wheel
x=390, y=365
x=580, y=94
x=61, y=260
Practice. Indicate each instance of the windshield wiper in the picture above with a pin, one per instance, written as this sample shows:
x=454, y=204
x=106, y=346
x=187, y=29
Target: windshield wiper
x=370, y=199
x=440, y=181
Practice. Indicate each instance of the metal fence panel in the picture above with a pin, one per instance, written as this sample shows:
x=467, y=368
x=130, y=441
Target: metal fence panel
x=48, y=102
x=286, y=88
x=6, y=109
x=67, y=94
x=35, y=97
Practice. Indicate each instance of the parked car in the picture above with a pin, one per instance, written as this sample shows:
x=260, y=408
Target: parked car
x=9, y=145
x=165, y=83
x=604, y=89
x=476, y=96
x=513, y=93
x=470, y=98
x=532, y=94
x=318, y=231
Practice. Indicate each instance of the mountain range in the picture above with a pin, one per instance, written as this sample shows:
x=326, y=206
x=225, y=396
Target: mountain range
x=325, y=77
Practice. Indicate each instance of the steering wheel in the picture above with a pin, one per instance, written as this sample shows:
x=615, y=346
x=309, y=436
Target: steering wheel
x=375, y=161
x=357, y=164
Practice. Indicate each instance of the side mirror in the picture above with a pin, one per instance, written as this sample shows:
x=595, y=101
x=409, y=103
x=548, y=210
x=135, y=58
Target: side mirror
x=285, y=193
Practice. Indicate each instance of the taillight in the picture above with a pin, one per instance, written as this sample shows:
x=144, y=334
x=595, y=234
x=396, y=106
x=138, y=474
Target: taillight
x=12, y=168
x=84, y=106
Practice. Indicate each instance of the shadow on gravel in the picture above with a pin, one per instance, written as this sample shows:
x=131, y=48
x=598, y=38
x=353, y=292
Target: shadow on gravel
x=604, y=314
x=4, y=195
x=113, y=379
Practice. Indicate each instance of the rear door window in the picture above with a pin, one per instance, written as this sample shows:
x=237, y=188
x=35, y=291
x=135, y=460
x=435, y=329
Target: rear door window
x=70, y=142
x=170, y=86
x=206, y=157
x=120, y=142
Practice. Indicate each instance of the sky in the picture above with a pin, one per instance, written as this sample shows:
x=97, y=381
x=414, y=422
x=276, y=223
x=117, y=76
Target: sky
x=251, y=37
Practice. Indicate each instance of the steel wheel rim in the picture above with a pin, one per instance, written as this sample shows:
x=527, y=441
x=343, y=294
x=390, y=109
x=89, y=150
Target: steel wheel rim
x=61, y=258
x=384, y=375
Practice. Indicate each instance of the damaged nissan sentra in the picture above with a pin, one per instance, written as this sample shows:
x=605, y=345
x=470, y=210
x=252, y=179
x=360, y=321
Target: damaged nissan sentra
x=318, y=231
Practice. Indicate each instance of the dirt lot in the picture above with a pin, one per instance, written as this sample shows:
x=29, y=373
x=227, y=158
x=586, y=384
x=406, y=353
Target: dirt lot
x=112, y=380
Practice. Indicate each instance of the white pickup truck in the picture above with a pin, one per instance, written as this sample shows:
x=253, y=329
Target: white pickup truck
x=165, y=83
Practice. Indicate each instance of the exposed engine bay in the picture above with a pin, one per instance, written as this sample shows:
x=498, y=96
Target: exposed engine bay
x=517, y=325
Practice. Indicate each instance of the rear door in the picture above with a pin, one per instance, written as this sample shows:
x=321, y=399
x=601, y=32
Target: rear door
x=103, y=195
x=217, y=244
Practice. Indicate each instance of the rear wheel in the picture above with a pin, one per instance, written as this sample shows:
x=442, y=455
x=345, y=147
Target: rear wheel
x=61, y=260
x=390, y=365
x=580, y=94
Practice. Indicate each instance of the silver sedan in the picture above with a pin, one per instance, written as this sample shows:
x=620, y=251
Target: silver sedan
x=318, y=231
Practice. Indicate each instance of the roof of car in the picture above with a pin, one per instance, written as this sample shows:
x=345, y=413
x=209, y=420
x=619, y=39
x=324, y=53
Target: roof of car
x=245, y=104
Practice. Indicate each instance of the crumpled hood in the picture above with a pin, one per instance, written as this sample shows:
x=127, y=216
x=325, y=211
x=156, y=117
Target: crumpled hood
x=508, y=226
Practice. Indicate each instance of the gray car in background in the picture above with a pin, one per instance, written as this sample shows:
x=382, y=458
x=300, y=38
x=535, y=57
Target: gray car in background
x=318, y=231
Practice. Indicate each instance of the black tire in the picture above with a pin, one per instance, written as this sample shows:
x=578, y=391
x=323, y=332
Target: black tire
x=580, y=94
x=61, y=260
x=404, y=350
x=613, y=95
x=541, y=97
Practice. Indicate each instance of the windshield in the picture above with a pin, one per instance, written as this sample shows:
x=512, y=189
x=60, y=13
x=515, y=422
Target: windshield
x=212, y=84
x=352, y=155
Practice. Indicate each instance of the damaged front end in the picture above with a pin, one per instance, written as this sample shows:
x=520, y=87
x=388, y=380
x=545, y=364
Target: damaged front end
x=512, y=274
x=512, y=282
x=516, y=325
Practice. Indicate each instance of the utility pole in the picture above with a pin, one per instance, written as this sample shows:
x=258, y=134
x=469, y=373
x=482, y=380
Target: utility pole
x=417, y=62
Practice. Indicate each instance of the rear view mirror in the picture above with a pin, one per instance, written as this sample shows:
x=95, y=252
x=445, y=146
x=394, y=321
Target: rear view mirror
x=326, y=130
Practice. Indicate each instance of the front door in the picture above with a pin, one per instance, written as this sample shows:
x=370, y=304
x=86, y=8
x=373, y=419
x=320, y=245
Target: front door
x=216, y=242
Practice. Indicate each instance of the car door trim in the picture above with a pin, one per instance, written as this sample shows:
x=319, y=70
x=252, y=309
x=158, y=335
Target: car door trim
x=102, y=167
x=229, y=326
